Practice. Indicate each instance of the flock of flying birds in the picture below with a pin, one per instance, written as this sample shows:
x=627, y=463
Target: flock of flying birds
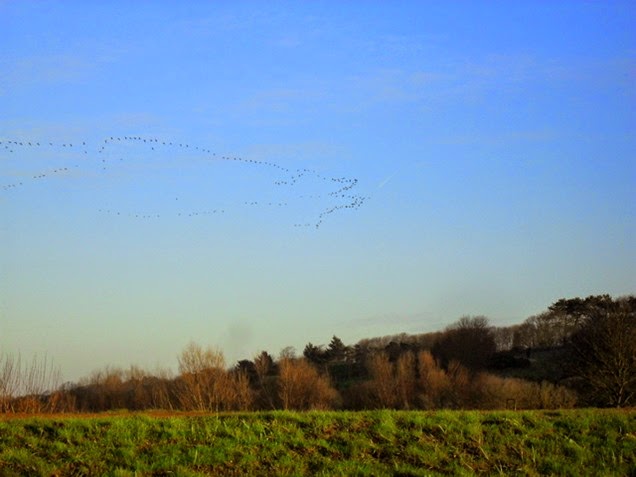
x=335, y=194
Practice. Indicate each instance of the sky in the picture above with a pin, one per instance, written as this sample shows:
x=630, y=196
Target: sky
x=256, y=175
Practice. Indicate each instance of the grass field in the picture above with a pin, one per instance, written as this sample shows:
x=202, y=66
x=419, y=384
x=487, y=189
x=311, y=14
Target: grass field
x=569, y=442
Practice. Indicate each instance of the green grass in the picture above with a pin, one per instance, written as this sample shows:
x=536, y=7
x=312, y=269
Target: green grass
x=573, y=442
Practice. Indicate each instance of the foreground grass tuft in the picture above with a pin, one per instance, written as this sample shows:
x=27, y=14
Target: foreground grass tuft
x=573, y=442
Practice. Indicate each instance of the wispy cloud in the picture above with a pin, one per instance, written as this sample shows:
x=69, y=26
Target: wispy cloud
x=477, y=79
x=289, y=40
x=407, y=322
x=395, y=85
x=76, y=64
x=282, y=99
x=252, y=20
x=496, y=139
x=296, y=151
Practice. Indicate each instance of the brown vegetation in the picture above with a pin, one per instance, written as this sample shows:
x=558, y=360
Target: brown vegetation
x=301, y=387
x=470, y=365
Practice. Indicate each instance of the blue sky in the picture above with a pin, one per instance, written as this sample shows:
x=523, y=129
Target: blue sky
x=488, y=146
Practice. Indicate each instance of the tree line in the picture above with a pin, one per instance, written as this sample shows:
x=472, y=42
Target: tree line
x=577, y=352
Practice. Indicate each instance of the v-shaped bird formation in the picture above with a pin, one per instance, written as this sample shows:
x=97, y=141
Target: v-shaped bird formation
x=155, y=178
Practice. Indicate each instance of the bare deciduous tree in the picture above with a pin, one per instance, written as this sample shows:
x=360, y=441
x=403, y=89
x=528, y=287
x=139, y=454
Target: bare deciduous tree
x=433, y=381
x=25, y=385
x=469, y=341
x=302, y=387
x=603, y=354
x=382, y=382
x=201, y=380
x=405, y=380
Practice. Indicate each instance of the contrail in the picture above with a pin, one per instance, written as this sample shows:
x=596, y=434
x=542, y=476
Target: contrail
x=386, y=180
